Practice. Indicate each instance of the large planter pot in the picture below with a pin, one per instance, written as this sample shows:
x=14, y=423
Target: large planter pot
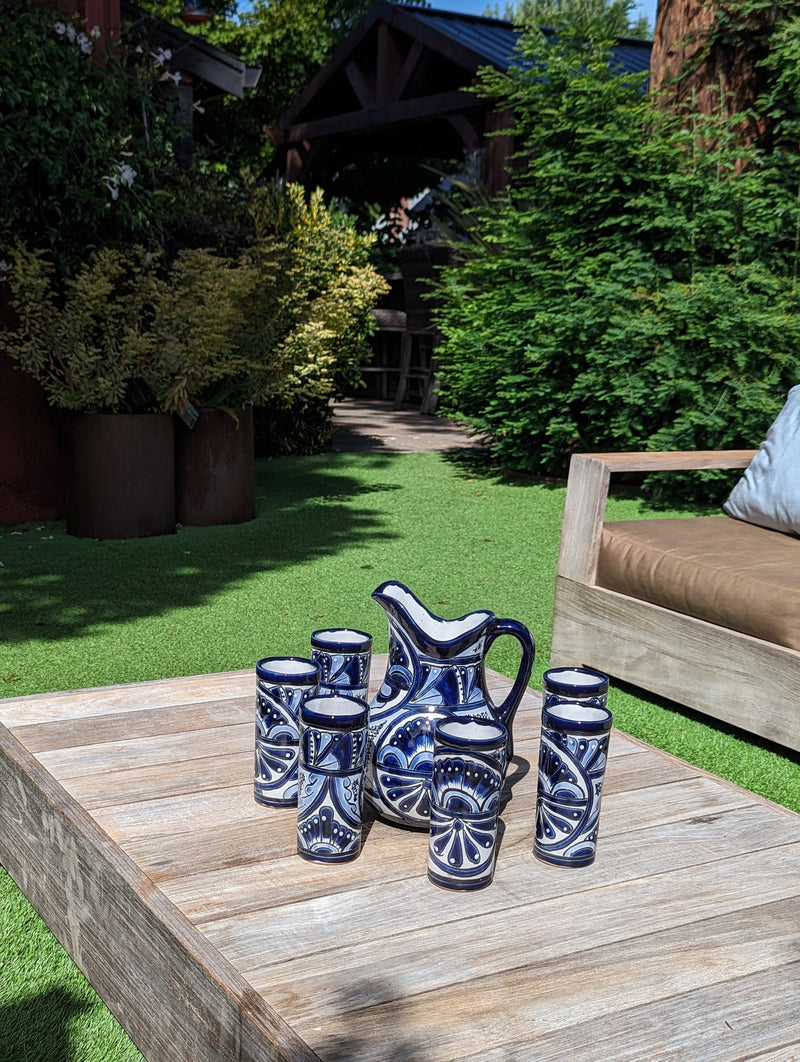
x=215, y=469
x=32, y=468
x=121, y=475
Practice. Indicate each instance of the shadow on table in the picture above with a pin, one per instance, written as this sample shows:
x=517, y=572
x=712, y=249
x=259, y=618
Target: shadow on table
x=346, y=1045
x=36, y=1029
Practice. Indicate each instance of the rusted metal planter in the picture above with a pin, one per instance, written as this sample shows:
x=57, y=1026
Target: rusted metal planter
x=214, y=469
x=121, y=481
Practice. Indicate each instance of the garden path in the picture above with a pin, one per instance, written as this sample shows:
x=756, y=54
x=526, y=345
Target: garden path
x=373, y=425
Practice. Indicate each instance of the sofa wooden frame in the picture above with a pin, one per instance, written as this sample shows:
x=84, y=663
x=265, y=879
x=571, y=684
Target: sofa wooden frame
x=741, y=680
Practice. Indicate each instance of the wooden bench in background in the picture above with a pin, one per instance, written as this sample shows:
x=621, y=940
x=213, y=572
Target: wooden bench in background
x=734, y=677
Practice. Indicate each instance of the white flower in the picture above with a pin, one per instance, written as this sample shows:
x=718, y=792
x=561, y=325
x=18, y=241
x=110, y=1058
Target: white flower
x=3, y=265
x=94, y=32
x=86, y=45
x=163, y=55
x=126, y=173
x=60, y=28
x=176, y=77
x=71, y=33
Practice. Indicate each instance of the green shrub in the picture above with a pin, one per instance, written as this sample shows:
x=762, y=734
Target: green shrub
x=282, y=323
x=634, y=289
x=79, y=135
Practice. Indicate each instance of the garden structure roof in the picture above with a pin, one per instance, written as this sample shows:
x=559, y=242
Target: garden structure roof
x=190, y=54
x=398, y=84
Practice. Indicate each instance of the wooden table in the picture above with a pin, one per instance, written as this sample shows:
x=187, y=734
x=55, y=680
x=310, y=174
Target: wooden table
x=128, y=820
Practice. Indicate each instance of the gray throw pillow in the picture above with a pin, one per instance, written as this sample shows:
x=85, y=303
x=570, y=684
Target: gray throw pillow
x=768, y=494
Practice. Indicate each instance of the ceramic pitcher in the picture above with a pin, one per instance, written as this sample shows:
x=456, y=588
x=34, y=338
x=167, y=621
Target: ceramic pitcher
x=436, y=671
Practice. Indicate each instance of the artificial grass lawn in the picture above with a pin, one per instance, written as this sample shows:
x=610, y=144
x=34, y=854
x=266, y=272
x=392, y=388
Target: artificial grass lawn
x=77, y=613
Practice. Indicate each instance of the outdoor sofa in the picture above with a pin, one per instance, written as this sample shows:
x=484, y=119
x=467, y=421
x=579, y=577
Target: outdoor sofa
x=704, y=611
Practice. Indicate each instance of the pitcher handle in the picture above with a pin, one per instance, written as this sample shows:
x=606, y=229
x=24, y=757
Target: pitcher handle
x=505, y=711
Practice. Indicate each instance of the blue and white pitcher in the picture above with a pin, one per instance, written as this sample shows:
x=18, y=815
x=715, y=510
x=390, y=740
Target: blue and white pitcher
x=436, y=671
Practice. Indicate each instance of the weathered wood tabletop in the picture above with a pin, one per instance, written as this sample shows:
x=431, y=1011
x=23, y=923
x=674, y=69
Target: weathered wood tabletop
x=127, y=818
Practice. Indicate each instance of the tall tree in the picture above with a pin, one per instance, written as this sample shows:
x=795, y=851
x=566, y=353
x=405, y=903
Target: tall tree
x=709, y=54
x=591, y=19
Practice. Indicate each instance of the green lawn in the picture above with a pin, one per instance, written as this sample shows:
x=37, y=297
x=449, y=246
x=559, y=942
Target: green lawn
x=329, y=529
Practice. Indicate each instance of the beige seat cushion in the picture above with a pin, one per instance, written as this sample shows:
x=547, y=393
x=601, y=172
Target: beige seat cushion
x=715, y=568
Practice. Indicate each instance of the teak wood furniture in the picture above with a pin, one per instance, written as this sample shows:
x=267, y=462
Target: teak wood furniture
x=127, y=818
x=746, y=681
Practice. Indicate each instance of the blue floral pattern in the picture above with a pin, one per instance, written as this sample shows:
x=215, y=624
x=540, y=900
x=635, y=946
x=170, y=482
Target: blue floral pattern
x=330, y=795
x=276, y=744
x=571, y=771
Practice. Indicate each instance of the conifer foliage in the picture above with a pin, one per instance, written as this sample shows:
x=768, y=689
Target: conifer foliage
x=636, y=286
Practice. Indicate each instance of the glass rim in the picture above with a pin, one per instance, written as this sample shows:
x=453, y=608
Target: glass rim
x=336, y=638
x=338, y=713
x=469, y=738
x=599, y=680
x=573, y=715
x=291, y=670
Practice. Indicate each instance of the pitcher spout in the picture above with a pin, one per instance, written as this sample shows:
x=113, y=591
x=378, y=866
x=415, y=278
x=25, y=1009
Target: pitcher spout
x=429, y=633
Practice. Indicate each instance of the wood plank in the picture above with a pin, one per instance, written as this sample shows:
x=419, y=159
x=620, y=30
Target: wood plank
x=255, y=879
x=107, y=700
x=106, y=912
x=717, y=1023
x=112, y=757
x=95, y=730
x=550, y=994
x=304, y=929
x=159, y=780
x=754, y=684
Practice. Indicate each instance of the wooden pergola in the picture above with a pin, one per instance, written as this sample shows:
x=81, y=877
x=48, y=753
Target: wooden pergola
x=398, y=85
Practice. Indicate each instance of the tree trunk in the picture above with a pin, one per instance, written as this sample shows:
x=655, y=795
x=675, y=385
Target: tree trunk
x=692, y=63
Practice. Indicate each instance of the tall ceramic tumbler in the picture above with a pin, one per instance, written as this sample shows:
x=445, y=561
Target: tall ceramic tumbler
x=333, y=755
x=469, y=759
x=578, y=685
x=572, y=763
x=344, y=657
x=283, y=683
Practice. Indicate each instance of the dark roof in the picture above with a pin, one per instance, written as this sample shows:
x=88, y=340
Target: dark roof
x=190, y=53
x=399, y=84
x=495, y=39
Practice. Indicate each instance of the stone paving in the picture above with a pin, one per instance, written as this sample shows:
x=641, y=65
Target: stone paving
x=372, y=425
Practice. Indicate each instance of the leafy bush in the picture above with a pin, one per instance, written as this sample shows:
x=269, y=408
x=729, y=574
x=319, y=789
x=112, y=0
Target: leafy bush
x=635, y=287
x=284, y=322
x=79, y=135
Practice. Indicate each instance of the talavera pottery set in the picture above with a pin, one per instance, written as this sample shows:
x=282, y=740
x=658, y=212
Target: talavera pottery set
x=431, y=750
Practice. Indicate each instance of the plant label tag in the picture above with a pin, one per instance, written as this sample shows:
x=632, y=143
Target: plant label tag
x=189, y=415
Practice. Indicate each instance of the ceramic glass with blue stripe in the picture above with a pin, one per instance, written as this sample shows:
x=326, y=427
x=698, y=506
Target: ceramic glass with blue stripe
x=572, y=763
x=469, y=762
x=344, y=657
x=283, y=683
x=333, y=754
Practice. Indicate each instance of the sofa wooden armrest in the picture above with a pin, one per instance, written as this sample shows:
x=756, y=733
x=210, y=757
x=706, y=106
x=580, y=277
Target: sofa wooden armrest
x=745, y=681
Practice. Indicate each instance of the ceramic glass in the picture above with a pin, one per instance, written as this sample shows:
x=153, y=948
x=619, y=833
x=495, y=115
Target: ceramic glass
x=578, y=685
x=344, y=657
x=283, y=683
x=333, y=753
x=469, y=761
x=572, y=763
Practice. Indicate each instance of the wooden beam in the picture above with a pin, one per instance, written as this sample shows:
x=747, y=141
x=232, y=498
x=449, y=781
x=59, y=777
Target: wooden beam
x=398, y=87
x=470, y=137
x=359, y=84
x=436, y=106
